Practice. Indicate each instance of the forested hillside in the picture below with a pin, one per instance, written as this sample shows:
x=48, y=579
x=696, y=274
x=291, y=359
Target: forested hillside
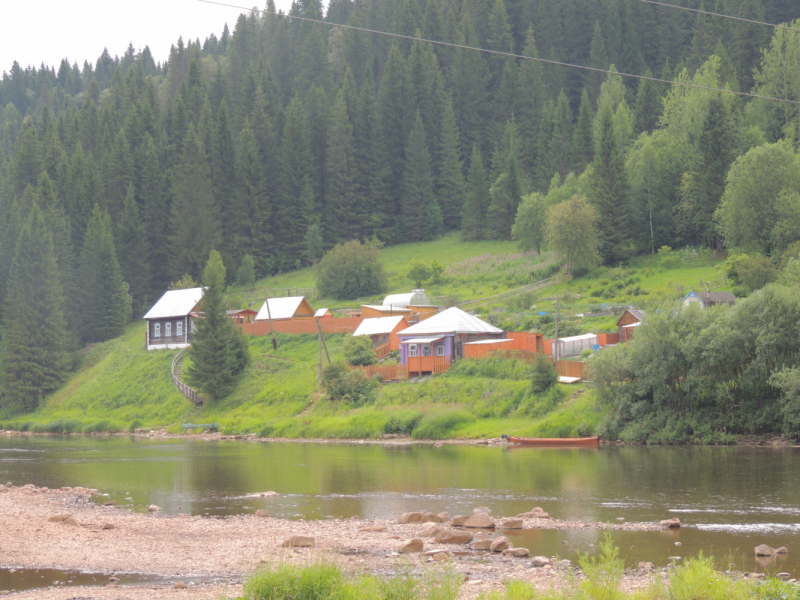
x=284, y=137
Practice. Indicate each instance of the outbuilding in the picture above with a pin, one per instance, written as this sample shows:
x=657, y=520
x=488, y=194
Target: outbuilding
x=383, y=330
x=285, y=309
x=628, y=322
x=169, y=321
x=707, y=298
x=241, y=315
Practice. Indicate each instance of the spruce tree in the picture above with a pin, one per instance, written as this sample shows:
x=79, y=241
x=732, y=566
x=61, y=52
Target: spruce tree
x=530, y=101
x=648, y=106
x=343, y=216
x=105, y=304
x=10, y=225
x=476, y=200
x=598, y=59
x=219, y=350
x=582, y=143
x=118, y=174
x=450, y=181
x=561, y=139
x=133, y=251
x=154, y=200
x=32, y=355
x=27, y=162
x=417, y=191
x=222, y=158
x=250, y=223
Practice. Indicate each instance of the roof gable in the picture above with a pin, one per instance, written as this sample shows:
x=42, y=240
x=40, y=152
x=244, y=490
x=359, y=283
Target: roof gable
x=175, y=303
x=415, y=298
x=379, y=325
x=281, y=309
x=452, y=320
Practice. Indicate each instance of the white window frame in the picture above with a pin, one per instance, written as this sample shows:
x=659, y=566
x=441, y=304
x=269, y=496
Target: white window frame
x=440, y=350
x=426, y=350
x=412, y=351
x=157, y=330
x=179, y=328
x=167, y=329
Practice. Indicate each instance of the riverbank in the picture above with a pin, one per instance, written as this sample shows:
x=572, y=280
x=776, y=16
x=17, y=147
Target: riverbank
x=66, y=529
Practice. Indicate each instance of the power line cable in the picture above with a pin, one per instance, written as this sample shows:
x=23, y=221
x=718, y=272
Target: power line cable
x=508, y=54
x=711, y=14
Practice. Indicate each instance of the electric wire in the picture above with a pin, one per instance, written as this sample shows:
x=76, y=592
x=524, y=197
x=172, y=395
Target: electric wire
x=508, y=54
x=711, y=14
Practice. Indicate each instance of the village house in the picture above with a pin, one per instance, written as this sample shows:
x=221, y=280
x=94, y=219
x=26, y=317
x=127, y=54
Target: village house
x=289, y=308
x=170, y=320
x=707, y=298
x=441, y=339
x=628, y=322
x=383, y=330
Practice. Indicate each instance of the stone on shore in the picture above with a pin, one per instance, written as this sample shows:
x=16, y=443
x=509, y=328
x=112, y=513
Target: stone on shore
x=479, y=521
x=262, y=513
x=153, y=508
x=58, y=518
x=540, y=561
x=299, y=541
x=453, y=537
x=70, y=521
x=415, y=545
x=764, y=550
x=180, y=586
x=645, y=566
x=512, y=524
x=440, y=557
x=419, y=517
x=431, y=531
x=782, y=550
x=500, y=544
x=109, y=503
x=458, y=520
x=536, y=513
x=673, y=523
x=373, y=528
x=481, y=509
x=516, y=552
x=482, y=544
x=107, y=526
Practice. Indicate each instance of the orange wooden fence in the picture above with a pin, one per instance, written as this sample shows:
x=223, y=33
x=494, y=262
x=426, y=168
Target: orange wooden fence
x=343, y=325
x=383, y=350
x=604, y=339
x=570, y=368
x=387, y=372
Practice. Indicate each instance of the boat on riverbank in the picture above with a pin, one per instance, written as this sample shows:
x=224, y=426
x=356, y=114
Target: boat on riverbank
x=587, y=442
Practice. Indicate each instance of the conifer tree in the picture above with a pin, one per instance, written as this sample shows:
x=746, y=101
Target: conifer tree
x=155, y=214
x=10, y=225
x=417, y=185
x=223, y=179
x=561, y=139
x=450, y=181
x=544, y=168
x=582, y=143
x=250, y=224
x=32, y=355
x=343, y=215
x=219, y=351
x=134, y=251
x=27, y=160
x=317, y=116
x=648, y=106
x=476, y=200
x=598, y=59
x=105, y=303
x=530, y=101
x=118, y=174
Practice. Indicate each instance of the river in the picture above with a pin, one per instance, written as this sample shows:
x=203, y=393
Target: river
x=729, y=499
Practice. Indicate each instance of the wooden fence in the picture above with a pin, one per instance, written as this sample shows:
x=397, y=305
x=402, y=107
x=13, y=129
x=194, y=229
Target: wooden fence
x=383, y=350
x=343, y=325
x=175, y=369
x=387, y=372
x=472, y=304
x=571, y=368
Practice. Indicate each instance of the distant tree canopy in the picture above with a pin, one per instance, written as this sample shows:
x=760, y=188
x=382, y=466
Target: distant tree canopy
x=350, y=271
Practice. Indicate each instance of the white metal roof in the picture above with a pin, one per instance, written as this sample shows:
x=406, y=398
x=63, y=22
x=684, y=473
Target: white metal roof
x=631, y=325
x=387, y=308
x=452, y=320
x=493, y=341
x=279, y=308
x=424, y=340
x=415, y=298
x=378, y=325
x=576, y=338
x=320, y=311
x=175, y=303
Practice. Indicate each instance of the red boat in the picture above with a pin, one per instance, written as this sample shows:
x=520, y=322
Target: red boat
x=589, y=442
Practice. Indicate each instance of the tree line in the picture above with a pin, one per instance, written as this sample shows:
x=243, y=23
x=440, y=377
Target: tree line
x=280, y=139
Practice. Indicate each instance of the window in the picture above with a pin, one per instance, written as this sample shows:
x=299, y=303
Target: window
x=440, y=350
x=179, y=328
x=157, y=330
x=426, y=349
x=167, y=329
x=412, y=350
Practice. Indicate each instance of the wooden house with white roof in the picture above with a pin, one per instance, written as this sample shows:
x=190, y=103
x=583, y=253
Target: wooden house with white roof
x=383, y=330
x=169, y=321
x=285, y=309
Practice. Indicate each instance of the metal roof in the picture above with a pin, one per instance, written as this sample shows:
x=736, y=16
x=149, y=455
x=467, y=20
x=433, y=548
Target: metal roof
x=492, y=341
x=386, y=308
x=175, y=303
x=280, y=309
x=424, y=340
x=415, y=298
x=452, y=320
x=378, y=325
x=321, y=312
x=575, y=338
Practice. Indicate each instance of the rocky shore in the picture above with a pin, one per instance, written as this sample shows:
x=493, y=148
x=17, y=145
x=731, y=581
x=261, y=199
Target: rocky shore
x=67, y=529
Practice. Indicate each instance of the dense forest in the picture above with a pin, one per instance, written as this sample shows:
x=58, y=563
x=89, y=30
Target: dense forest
x=284, y=137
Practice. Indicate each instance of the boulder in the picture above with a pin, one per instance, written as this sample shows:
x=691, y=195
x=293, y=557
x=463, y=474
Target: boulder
x=540, y=561
x=481, y=509
x=764, y=550
x=373, y=528
x=453, y=537
x=645, y=566
x=262, y=513
x=107, y=526
x=482, y=544
x=536, y=513
x=512, y=524
x=109, y=503
x=153, y=508
x=516, y=552
x=440, y=557
x=419, y=517
x=500, y=544
x=415, y=545
x=673, y=523
x=782, y=550
x=479, y=521
x=431, y=531
x=58, y=518
x=458, y=520
x=444, y=516
x=299, y=541
x=70, y=521
x=180, y=586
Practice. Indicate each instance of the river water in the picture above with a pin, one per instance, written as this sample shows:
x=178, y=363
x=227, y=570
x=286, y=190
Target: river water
x=729, y=499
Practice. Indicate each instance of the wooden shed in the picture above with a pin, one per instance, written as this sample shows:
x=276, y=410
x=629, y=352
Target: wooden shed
x=372, y=311
x=628, y=322
x=285, y=309
x=323, y=313
x=482, y=348
x=241, y=315
x=383, y=330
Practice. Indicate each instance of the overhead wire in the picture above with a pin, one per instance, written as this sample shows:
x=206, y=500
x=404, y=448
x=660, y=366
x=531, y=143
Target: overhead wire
x=711, y=14
x=506, y=54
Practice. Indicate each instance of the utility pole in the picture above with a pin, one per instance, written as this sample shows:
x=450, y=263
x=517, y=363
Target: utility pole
x=322, y=338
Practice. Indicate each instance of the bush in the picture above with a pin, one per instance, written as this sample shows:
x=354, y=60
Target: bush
x=134, y=426
x=402, y=422
x=543, y=375
x=246, y=274
x=756, y=272
x=440, y=426
x=667, y=259
x=358, y=351
x=350, y=271
x=341, y=383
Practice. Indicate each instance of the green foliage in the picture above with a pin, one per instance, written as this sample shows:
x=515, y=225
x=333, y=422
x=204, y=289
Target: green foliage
x=755, y=272
x=529, y=225
x=402, y=421
x=246, y=273
x=543, y=375
x=572, y=231
x=184, y=283
x=350, y=385
x=350, y=271
x=358, y=351
x=440, y=426
x=667, y=258
x=418, y=272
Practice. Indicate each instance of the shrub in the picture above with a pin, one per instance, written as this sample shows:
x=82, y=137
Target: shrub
x=756, y=272
x=667, y=259
x=134, y=426
x=350, y=271
x=246, y=274
x=543, y=375
x=440, y=426
x=342, y=383
x=402, y=422
x=289, y=582
x=358, y=351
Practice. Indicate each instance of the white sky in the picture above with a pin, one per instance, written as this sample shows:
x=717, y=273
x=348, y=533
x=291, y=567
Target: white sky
x=80, y=29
